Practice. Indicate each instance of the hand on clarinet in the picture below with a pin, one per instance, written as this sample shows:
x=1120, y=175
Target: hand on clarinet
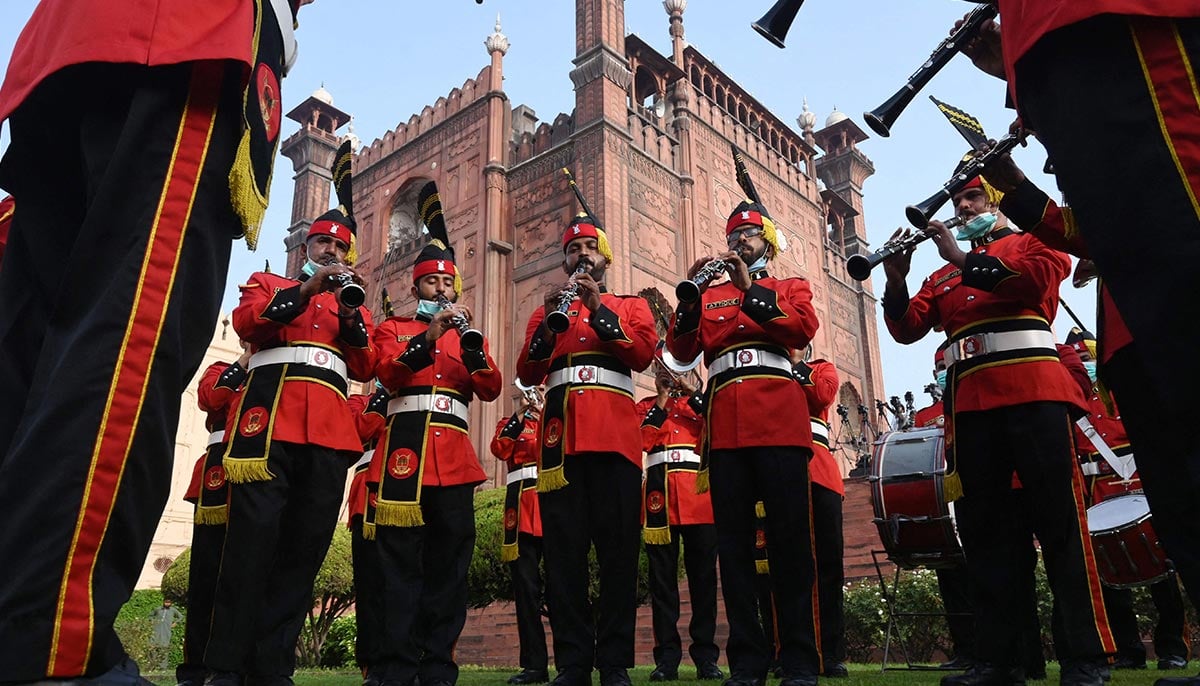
x=1003, y=173
x=896, y=267
x=444, y=321
x=739, y=273
x=946, y=244
x=985, y=49
x=589, y=291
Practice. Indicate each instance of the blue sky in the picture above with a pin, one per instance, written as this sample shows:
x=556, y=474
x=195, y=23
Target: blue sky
x=385, y=60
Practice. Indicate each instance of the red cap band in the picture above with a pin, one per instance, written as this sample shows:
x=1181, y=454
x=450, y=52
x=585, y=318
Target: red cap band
x=325, y=227
x=427, y=267
x=579, y=230
x=746, y=217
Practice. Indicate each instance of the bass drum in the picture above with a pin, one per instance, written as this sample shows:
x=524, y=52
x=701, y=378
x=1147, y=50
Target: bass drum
x=916, y=525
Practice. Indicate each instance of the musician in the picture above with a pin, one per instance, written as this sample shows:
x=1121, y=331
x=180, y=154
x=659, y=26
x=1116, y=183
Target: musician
x=1167, y=457
x=589, y=468
x=1007, y=403
x=745, y=327
x=291, y=442
x=427, y=467
x=819, y=379
x=1170, y=633
x=125, y=120
x=208, y=490
x=516, y=443
x=673, y=512
x=369, y=411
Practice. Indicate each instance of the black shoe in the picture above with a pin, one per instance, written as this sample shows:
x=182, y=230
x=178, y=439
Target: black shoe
x=223, y=679
x=615, y=677
x=1081, y=673
x=1129, y=663
x=836, y=670
x=1178, y=681
x=960, y=663
x=808, y=680
x=1172, y=662
x=529, y=676
x=986, y=675
x=739, y=680
x=664, y=673
x=709, y=671
x=572, y=677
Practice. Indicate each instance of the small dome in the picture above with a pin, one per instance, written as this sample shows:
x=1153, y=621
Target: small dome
x=323, y=95
x=355, y=141
x=497, y=42
x=835, y=116
x=674, y=6
x=807, y=119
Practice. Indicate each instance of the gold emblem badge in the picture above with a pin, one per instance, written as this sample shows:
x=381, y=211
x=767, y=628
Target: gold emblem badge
x=553, y=432
x=402, y=463
x=654, y=501
x=253, y=421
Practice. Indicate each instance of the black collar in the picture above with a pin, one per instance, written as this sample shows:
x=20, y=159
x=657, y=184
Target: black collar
x=992, y=237
x=760, y=274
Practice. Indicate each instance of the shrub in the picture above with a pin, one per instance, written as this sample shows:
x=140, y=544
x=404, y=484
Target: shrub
x=338, y=650
x=134, y=627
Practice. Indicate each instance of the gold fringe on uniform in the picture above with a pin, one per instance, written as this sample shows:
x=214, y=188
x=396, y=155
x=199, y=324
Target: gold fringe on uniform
x=212, y=516
x=762, y=566
x=952, y=488
x=509, y=552
x=760, y=510
x=702, y=481
x=398, y=514
x=368, y=531
x=249, y=205
x=245, y=470
x=659, y=536
x=551, y=479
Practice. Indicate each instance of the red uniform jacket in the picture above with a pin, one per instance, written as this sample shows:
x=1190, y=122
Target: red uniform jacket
x=930, y=416
x=773, y=312
x=308, y=412
x=1106, y=483
x=680, y=427
x=6, y=215
x=598, y=419
x=1014, y=276
x=820, y=390
x=217, y=396
x=1024, y=22
x=450, y=457
x=519, y=452
x=1037, y=214
x=369, y=424
x=150, y=32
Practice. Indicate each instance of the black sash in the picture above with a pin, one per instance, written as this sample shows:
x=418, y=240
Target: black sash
x=403, y=447
x=213, y=506
x=760, y=539
x=554, y=412
x=512, y=514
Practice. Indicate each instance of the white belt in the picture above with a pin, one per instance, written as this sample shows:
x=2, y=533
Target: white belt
x=301, y=354
x=428, y=402
x=364, y=460
x=590, y=374
x=522, y=474
x=749, y=357
x=819, y=429
x=283, y=16
x=978, y=344
x=1123, y=465
x=216, y=437
x=671, y=456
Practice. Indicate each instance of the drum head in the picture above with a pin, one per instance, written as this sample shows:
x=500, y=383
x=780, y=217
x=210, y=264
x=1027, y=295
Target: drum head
x=909, y=453
x=1118, y=512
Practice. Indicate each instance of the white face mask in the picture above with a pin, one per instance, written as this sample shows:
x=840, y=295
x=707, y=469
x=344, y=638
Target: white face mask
x=977, y=226
x=427, y=308
x=759, y=264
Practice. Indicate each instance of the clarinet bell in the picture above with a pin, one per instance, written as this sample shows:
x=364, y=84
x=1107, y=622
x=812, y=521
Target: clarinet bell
x=919, y=215
x=557, y=321
x=775, y=23
x=471, y=340
x=352, y=295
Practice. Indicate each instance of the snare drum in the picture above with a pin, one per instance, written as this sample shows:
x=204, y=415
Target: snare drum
x=916, y=525
x=1127, y=550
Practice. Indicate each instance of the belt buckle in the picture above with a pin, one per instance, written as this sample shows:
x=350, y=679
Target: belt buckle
x=442, y=403
x=746, y=357
x=585, y=373
x=675, y=456
x=319, y=358
x=970, y=346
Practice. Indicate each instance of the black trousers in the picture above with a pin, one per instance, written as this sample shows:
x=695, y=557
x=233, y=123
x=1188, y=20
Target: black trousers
x=1168, y=461
x=1170, y=634
x=527, y=593
x=1035, y=440
x=276, y=539
x=205, y=562
x=954, y=585
x=600, y=506
x=111, y=283
x=831, y=578
x=368, y=594
x=766, y=615
x=425, y=588
x=1077, y=86
x=700, y=563
x=778, y=476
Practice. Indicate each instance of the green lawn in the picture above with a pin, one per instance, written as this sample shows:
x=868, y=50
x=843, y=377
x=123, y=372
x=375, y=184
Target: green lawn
x=860, y=675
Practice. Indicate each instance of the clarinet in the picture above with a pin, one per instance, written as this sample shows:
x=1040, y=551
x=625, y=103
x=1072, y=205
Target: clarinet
x=688, y=291
x=470, y=339
x=558, y=321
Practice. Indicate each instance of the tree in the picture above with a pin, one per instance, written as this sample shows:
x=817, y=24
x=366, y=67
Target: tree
x=175, y=579
x=333, y=594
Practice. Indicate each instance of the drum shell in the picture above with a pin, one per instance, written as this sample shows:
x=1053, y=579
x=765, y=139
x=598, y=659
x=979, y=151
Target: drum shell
x=1128, y=553
x=916, y=526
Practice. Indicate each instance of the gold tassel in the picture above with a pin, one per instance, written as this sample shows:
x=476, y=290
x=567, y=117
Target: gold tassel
x=352, y=253
x=952, y=487
x=760, y=509
x=551, y=479
x=702, y=481
x=212, y=515
x=762, y=566
x=248, y=204
x=240, y=470
x=771, y=234
x=457, y=282
x=509, y=552
x=398, y=514
x=602, y=245
x=368, y=531
x=1070, y=226
x=657, y=536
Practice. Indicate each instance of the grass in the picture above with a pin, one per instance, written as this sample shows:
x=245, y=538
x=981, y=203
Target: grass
x=860, y=675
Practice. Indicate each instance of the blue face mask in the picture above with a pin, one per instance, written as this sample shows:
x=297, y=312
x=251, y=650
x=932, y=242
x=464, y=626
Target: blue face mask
x=427, y=308
x=759, y=264
x=976, y=226
x=310, y=268
x=941, y=379
x=1090, y=366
